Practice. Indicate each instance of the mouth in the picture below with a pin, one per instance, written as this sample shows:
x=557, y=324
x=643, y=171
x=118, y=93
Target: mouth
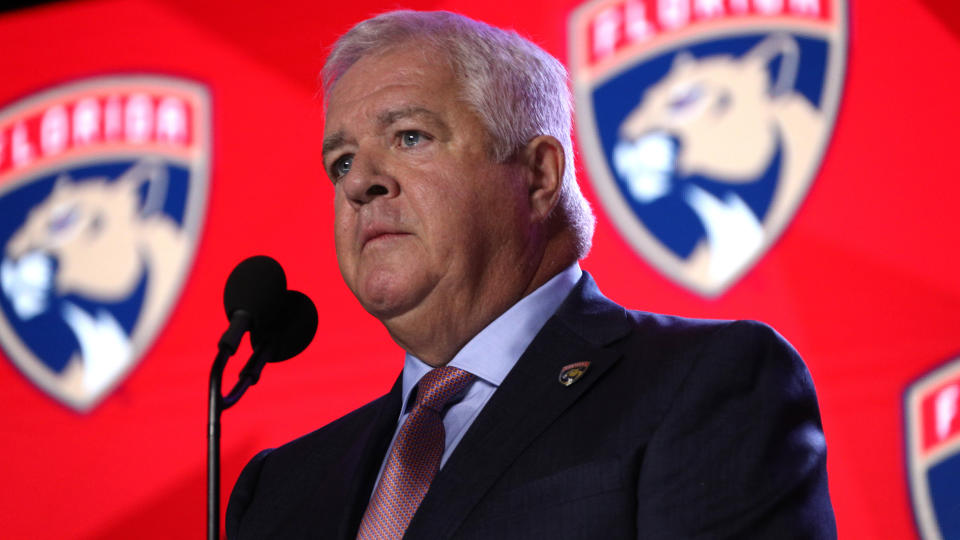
x=646, y=165
x=376, y=235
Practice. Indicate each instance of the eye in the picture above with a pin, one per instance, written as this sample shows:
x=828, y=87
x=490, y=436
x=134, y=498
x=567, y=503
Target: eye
x=63, y=218
x=341, y=166
x=95, y=227
x=685, y=99
x=410, y=138
x=724, y=99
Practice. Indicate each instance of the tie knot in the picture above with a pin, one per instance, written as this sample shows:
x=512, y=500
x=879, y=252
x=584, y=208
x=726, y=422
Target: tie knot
x=440, y=385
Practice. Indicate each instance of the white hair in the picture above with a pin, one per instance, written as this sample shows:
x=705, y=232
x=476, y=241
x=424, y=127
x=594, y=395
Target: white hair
x=518, y=90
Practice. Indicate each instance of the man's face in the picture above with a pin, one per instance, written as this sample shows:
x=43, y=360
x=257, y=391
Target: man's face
x=428, y=227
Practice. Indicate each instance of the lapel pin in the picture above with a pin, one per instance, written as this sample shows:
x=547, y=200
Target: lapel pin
x=572, y=373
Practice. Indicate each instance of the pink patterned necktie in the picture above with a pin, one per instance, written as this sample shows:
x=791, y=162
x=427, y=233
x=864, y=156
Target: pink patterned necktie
x=415, y=457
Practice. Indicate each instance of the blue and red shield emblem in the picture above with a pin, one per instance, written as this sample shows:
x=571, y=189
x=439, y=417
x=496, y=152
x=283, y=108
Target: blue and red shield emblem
x=704, y=123
x=932, y=413
x=103, y=186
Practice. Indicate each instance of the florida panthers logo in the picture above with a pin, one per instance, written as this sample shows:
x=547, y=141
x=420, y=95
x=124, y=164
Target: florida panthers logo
x=932, y=413
x=703, y=123
x=100, y=222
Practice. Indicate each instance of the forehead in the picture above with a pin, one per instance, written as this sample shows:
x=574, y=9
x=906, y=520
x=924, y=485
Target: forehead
x=408, y=74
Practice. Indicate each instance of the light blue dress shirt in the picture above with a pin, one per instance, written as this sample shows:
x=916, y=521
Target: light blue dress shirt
x=490, y=355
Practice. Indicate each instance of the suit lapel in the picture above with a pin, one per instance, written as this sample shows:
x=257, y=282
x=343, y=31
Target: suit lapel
x=527, y=402
x=362, y=462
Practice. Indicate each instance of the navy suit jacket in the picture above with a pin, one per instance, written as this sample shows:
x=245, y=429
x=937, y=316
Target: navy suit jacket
x=679, y=429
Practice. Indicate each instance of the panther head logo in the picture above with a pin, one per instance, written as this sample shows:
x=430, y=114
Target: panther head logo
x=724, y=119
x=94, y=238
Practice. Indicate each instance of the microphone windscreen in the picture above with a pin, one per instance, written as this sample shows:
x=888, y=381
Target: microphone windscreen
x=257, y=285
x=295, y=326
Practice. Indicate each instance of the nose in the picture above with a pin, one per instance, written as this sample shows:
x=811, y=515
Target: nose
x=367, y=182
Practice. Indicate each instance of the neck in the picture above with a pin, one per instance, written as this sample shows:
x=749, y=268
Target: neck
x=435, y=334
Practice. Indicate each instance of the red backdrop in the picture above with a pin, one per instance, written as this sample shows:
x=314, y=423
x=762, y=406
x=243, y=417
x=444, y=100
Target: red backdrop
x=863, y=281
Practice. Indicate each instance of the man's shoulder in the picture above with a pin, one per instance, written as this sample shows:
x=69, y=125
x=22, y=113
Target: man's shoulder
x=591, y=314
x=328, y=444
x=689, y=332
x=672, y=342
x=333, y=437
x=586, y=300
x=323, y=463
x=681, y=355
x=728, y=349
x=319, y=469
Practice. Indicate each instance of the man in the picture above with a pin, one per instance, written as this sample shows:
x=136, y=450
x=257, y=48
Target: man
x=529, y=406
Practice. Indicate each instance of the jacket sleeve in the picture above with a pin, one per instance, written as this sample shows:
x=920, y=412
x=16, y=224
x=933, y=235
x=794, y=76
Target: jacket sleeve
x=741, y=452
x=242, y=494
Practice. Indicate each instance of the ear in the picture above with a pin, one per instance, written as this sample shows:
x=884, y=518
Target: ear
x=764, y=53
x=682, y=60
x=147, y=171
x=545, y=163
x=63, y=183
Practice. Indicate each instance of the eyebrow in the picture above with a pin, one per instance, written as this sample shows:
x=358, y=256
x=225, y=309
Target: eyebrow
x=333, y=142
x=385, y=119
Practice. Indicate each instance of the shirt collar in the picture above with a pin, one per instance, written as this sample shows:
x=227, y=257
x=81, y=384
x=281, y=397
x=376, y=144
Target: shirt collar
x=492, y=353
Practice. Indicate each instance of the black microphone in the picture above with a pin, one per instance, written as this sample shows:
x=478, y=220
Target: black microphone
x=281, y=325
x=252, y=298
x=288, y=334
x=281, y=322
x=293, y=328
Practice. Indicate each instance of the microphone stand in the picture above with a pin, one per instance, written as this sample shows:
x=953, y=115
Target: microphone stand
x=218, y=403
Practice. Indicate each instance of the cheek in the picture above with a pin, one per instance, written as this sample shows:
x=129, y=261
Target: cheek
x=503, y=194
x=487, y=216
x=343, y=235
x=437, y=195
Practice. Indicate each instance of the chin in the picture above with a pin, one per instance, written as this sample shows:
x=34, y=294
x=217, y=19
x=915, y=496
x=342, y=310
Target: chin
x=388, y=295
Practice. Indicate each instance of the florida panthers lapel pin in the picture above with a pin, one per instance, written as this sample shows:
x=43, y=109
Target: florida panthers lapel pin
x=571, y=373
x=704, y=123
